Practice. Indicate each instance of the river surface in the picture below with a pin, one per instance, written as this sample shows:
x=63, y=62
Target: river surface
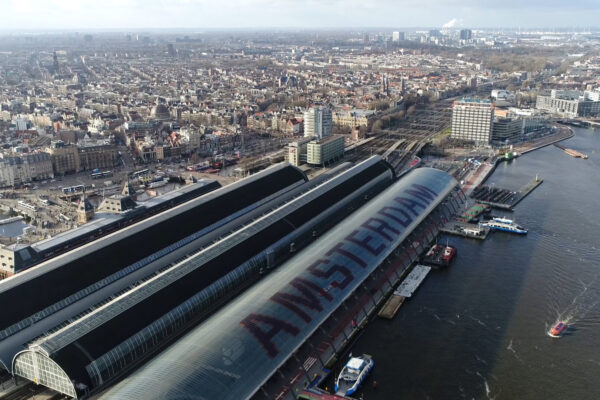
x=12, y=229
x=477, y=330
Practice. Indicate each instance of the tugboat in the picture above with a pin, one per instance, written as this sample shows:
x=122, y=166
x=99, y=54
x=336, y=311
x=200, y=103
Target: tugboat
x=448, y=255
x=558, y=329
x=439, y=255
x=507, y=225
x=353, y=374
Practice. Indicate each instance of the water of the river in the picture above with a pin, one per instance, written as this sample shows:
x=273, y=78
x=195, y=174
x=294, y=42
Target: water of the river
x=477, y=330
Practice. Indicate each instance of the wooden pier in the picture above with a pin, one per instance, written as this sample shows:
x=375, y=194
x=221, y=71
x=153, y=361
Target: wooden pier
x=571, y=152
x=391, y=306
x=504, y=199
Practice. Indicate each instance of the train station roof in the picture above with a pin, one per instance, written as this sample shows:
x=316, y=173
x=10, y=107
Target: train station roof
x=233, y=353
x=43, y=290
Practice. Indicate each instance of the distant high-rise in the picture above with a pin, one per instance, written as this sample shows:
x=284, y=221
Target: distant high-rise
x=55, y=62
x=398, y=36
x=171, y=50
x=435, y=33
x=472, y=121
x=385, y=84
x=318, y=121
x=466, y=34
x=403, y=85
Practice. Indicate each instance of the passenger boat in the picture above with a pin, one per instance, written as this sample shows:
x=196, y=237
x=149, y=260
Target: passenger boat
x=506, y=225
x=353, y=374
x=558, y=329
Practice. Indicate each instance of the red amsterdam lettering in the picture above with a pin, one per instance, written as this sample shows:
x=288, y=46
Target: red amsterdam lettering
x=410, y=205
x=326, y=274
x=308, y=299
x=422, y=192
x=338, y=248
x=380, y=227
x=397, y=214
x=364, y=243
x=265, y=337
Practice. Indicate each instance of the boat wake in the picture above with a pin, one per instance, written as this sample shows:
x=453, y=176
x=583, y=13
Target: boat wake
x=513, y=351
x=577, y=310
x=486, y=385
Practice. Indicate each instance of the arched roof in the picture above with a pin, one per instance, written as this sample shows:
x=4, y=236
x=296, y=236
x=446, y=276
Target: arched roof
x=45, y=289
x=89, y=349
x=234, y=352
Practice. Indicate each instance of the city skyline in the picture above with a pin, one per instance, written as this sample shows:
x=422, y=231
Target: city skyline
x=200, y=14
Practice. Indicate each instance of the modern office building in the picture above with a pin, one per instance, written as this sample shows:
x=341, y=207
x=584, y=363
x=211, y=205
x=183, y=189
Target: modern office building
x=466, y=34
x=295, y=152
x=321, y=152
x=318, y=122
x=507, y=130
x=472, y=121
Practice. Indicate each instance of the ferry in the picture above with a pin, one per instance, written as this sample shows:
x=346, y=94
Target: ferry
x=502, y=220
x=353, y=374
x=558, y=329
x=506, y=225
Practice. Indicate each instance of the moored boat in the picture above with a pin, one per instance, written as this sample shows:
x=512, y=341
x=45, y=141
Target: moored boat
x=506, y=225
x=353, y=374
x=449, y=253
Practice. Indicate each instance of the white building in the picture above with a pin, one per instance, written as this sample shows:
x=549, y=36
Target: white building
x=503, y=98
x=321, y=152
x=472, y=120
x=570, y=103
x=397, y=36
x=295, y=152
x=592, y=95
x=23, y=168
x=318, y=122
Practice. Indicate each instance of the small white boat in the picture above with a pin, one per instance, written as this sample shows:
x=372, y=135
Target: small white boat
x=353, y=374
x=506, y=225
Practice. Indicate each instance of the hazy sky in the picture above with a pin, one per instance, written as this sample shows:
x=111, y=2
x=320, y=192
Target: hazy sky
x=135, y=14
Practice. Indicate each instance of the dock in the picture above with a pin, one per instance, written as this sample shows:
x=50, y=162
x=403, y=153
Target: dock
x=473, y=212
x=571, y=152
x=391, y=306
x=504, y=199
x=406, y=289
x=410, y=284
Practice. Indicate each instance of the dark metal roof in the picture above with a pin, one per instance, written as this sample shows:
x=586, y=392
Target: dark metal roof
x=75, y=237
x=96, y=334
x=55, y=280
